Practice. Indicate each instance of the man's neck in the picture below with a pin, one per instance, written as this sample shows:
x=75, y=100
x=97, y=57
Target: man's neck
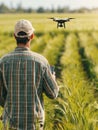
x=22, y=45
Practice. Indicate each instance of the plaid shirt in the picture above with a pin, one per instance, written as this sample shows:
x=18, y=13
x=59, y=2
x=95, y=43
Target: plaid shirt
x=24, y=77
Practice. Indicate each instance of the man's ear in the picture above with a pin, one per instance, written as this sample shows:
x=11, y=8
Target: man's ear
x=14, y=36
x=32, y=36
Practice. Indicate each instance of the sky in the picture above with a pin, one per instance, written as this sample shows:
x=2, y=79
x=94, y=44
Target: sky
x=72, y=4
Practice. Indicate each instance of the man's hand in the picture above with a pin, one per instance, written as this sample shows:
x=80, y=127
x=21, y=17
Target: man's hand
x=0, y=117
x=2, y=102
x=54, y=76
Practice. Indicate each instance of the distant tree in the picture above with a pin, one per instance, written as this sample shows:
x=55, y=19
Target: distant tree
x=29, y=10
x=4, y=8
x=19, y=8
x=60, y=10
x=52, y=9
x=66, y=9
x=83, y=10
x=63, y=9
x=40, y=10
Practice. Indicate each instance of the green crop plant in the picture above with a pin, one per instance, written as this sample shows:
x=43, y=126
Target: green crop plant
x=53, y=49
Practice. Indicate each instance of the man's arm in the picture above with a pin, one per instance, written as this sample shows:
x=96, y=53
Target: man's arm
x=3, y=91
x=50, y=85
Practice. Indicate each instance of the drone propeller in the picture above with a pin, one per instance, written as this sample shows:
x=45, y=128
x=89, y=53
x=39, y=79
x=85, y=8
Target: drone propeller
x=51, y=18
x=71, y=18
x=54, y=19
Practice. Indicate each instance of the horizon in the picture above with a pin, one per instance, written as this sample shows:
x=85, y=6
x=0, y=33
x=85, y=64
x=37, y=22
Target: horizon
x=76, y=4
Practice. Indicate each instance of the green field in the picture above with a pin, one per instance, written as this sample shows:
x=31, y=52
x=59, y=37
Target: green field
x=74, y=53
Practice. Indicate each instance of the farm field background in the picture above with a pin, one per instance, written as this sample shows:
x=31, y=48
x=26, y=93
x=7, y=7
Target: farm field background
x=74, y=53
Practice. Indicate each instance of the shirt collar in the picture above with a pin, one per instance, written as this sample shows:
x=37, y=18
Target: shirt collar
x=22, y=49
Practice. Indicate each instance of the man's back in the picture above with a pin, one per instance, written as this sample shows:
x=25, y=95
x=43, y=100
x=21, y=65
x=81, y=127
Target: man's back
x=25, y=78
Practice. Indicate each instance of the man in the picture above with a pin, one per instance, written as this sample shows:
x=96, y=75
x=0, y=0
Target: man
x=24, y=77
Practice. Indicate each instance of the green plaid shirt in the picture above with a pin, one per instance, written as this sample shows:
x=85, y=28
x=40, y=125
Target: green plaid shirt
x=24, y=77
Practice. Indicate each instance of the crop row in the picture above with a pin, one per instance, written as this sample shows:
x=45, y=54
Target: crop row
x=78, y=99
x=74, y=56
x=89, y=47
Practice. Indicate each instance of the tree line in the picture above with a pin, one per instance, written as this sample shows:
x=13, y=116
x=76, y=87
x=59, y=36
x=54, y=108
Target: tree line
x=5, y=9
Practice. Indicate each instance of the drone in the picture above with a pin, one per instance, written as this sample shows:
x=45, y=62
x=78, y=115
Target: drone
x=61, y=21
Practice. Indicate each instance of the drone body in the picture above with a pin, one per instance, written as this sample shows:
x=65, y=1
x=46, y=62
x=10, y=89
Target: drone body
x=61, y=21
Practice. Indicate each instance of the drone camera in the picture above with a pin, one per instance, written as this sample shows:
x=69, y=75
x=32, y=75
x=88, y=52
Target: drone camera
x=60, y=25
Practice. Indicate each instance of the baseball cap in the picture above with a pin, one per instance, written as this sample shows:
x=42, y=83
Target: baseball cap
x=23, y=26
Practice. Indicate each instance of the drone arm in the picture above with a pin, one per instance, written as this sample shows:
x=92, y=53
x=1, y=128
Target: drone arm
x=57, y=25
x=64, y=25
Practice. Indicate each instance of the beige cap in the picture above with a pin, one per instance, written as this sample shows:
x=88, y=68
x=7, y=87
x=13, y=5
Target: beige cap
x=25, y=26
